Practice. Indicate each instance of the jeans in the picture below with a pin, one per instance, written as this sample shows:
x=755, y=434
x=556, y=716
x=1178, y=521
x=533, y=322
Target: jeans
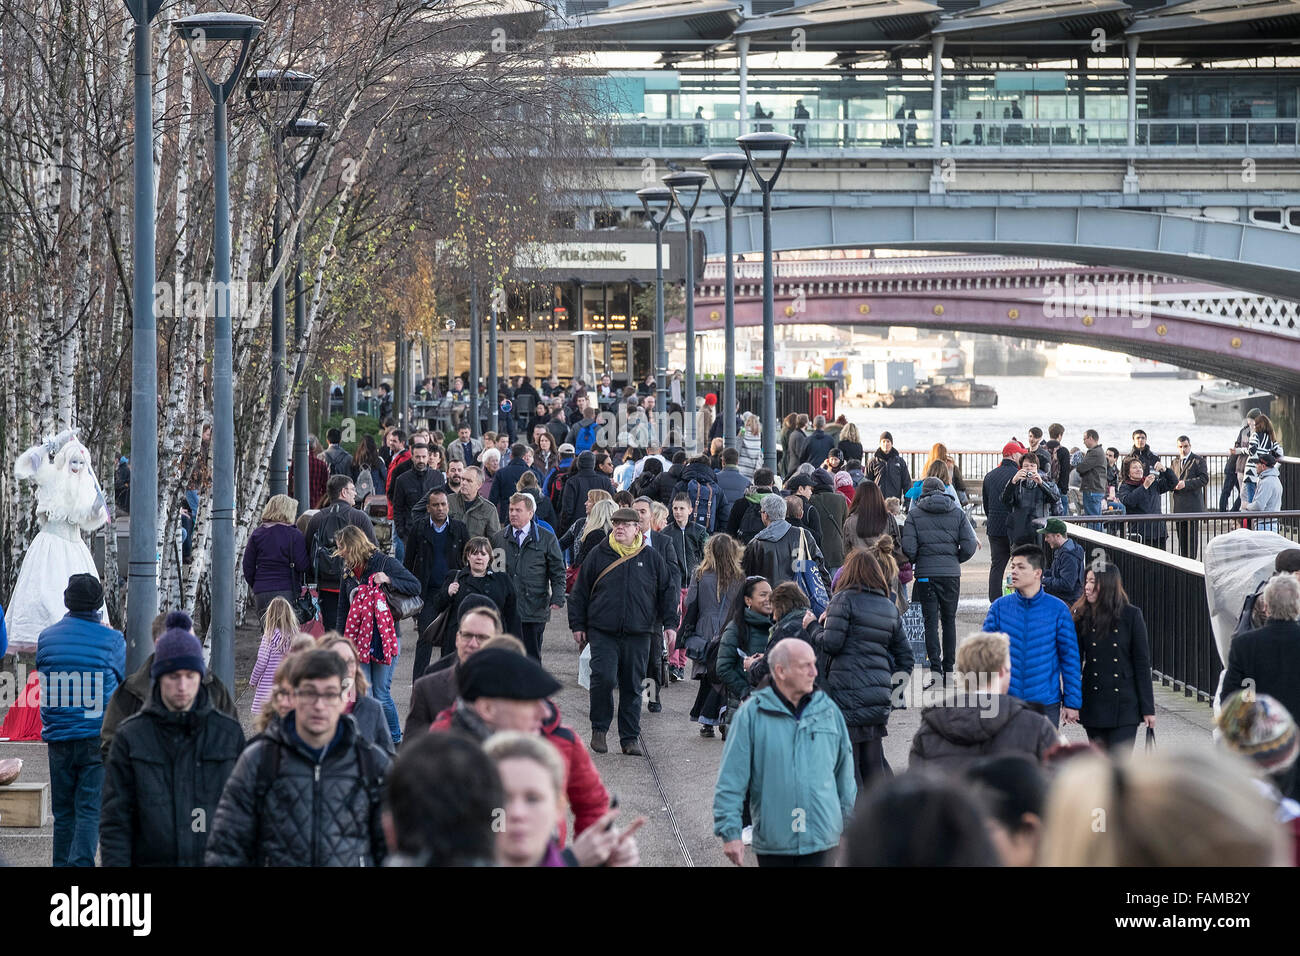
x=380, y=677
x=1051, y=711
x=76, y=783
x=1118, y=739
x=1092, y=502
x=617, y=662
x=999, y=555
x=939, y=606
x=399, y=547
x=1248, y=490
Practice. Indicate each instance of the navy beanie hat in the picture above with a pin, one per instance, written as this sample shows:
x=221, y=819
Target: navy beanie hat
x=177, y=650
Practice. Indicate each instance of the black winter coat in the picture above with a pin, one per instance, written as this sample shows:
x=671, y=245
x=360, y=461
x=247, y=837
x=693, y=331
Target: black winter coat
x=419, y=550
x=505, y=484
x=996, y=514
x=890, y=473
x=1025, y=502
x=865, y=646
x=634, y=599
x=165, y=773
x=1270, y=656
x=665, y=485
x=1116, y=669
x=817, y=447
x=952, y=737
x=688, y=545
x=574, y=496
x=314, y=813
x=773, y=559
x=495, y=585
x=937, y=536
x=1138, y=500
x=832, y=510
x=411, y=497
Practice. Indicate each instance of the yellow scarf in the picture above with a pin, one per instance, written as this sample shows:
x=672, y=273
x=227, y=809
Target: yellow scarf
x=623, y=552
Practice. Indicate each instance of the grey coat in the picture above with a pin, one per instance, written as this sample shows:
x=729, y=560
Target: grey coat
x=706, y=613
x=536, y=569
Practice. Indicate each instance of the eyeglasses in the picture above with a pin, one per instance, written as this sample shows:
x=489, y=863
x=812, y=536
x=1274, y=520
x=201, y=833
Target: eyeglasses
x=281, y=694
x=470, y=636
x=309, y=696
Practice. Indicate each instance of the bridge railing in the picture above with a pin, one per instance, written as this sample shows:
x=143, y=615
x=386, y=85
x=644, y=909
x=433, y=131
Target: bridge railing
x=893, y=266
x=1174, y=533
x=1171, y=593
x=629, y=132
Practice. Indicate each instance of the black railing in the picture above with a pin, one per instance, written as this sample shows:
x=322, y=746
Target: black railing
x=792, y=395
x=1171, y=593
x=1172, y=533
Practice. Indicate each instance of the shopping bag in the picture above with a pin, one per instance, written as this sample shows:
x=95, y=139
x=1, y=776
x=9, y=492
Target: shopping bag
x=584, y=668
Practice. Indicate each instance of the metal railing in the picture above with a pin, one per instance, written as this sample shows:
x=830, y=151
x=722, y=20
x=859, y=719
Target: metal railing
x=1171, y=593
x=1188, y=534
x=649, y=133
x=891, y=266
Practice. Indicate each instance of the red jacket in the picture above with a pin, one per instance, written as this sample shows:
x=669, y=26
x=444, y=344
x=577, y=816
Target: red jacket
x=399, y=459
x=588, y=798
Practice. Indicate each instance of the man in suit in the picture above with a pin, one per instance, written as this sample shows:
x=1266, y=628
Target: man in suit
x=1267, y=660
x=1189, y=494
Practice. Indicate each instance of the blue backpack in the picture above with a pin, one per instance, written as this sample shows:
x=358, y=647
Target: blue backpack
x=704, y=501
x=586, y=437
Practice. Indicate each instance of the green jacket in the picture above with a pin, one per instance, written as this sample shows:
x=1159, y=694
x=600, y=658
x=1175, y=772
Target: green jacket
x=797, y=773
x=730, y=666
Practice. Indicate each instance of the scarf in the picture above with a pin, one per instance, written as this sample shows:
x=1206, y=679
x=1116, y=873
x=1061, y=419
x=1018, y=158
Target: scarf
x=623, y=552
x=773, y=532
x=370, y=610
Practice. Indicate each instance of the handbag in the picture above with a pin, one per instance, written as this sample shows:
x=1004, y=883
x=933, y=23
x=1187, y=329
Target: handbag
x=305, y=606
x=570, y=578
x=808, y=577
x=1151, y=740
x=432, y=636
x=403, y=605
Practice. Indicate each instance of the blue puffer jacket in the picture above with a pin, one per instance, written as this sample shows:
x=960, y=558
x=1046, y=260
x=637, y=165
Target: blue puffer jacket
x=1044, y=647
x=81, y=662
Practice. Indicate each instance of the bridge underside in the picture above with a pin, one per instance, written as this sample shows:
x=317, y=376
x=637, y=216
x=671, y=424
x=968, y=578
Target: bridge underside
x=1245, y=355
x=1234, y=255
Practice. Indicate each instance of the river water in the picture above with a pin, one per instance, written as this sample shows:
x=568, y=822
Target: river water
x=1113, y=406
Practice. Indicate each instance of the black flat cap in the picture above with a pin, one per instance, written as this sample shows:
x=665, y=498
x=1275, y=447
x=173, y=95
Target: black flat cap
x=497, y=672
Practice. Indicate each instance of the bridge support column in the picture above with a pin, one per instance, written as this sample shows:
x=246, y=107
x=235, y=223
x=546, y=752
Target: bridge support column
x=1131, y=48
x=936, y=60
x=742, y=56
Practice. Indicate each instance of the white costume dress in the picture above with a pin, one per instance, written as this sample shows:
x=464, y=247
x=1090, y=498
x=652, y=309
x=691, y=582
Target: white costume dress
x=69, y=501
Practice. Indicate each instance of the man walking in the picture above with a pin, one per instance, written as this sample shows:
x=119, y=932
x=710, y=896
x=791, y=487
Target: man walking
x=536, y=568
x=437, y=690
x=339, y=461
x=411, y=493
x=1044, y=645
x=435, y=548
x=480, y=518
x=1191, y=476
x=623, y=594
x=168, y=765
x=506, y=481
x=657, y=663
x=773, y=551
x=465, y=448
x=308, y=791
x=81, y=661
x=788, y=753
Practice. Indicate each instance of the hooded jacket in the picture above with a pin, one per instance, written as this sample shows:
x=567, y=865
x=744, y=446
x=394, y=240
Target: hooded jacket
x=703, y=514
x=317, y=811
x=732, y=484
x=772, y=552
x=937, y=536
x=970, y=726
x=1064, y=578
x=164, y=766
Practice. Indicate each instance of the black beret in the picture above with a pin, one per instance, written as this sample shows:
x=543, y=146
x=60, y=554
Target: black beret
x=497, y=672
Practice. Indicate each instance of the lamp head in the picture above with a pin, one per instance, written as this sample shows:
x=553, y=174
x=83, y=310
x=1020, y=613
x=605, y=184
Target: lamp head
x=686, y=186
x=766, y=152
x=202, y=30
x=657, y=202
x=728, y=172
x=306, y=129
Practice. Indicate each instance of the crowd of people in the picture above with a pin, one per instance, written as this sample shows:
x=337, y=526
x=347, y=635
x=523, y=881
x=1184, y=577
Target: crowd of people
x=781, y=596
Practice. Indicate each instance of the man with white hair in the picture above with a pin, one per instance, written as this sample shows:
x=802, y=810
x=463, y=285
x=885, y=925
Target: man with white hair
x=1267, y=660
x=69, y=501
x=773, y=551
x=788, y=752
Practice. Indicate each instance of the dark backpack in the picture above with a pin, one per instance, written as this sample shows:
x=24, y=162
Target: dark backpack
x=711, y=659
x=704, y=501
x=750, y=524
x=324, y=562
x=585, y=440
x=1245, y=620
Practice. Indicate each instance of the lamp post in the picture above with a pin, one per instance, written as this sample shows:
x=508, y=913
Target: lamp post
x=310, y=132
x=728, y=172
x=686, y=186
x=475, y=359
x=198, y=31
x=265, y=83
x=771, y=150
x=658, y=204
x=142, y=572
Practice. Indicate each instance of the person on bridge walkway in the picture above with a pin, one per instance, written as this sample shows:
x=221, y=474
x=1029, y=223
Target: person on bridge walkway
x=1115, y=661
x=789, y=754
x=1064, y=578
x=1268, y=491
x=1236, y=465
x=624, y=593
x=1141, y=496
x=1044, y=645
x=938, y=539
x=1091, y=470
x=1263, y=440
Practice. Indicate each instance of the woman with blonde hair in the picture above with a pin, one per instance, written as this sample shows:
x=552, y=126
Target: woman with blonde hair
x=598, y=527
x=572, y=538
x=533, y=780
x=372, y=629
x=279, y=628
x=365, y=710
x=939, y=452
x=1198, y=807
x=749, y=446
x=882, y=549
x=849, y=443
x=275, y=558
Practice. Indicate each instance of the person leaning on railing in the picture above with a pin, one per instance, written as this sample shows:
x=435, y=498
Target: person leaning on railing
x=1268, y=491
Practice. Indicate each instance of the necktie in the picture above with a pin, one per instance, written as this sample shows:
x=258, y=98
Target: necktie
x=519, y=536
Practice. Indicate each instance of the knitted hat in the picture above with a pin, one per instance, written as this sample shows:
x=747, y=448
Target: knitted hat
x=931, y=485
x=1013, y=448
x=471, y=602
x=83, y=593
x=177, y=650
x=1259, y=727
x=710, y=399
x=497, y=672
x=884, y=435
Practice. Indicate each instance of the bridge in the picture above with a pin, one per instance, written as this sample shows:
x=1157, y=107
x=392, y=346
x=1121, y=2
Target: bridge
x=1241, y=336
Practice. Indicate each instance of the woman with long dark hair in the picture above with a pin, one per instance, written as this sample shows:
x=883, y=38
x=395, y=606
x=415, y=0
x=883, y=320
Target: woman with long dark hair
x=709, y=602
x=865, y=646
x=744, y=640
x=1264, y=439
x=1116, y=661
x=868, y=520
x=367, y=460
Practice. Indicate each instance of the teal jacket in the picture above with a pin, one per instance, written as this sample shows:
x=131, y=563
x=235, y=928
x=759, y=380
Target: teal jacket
x=797, y=773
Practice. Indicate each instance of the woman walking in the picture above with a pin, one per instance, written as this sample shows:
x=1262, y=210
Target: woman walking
x=750, y=450
x=1116, y=661
x=275, y=558
x=709, y=600
x=372, y=628
x=868, y=520
x=865, y=646
x=477, y=577
x=744, y=641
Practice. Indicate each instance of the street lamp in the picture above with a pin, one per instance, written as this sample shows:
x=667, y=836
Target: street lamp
x=686, y=186
x=728, y=171
x=198, y=31
x=264, y=85
x=658, y=204
x=142, y=572
x=768, y=151
x=310, y=132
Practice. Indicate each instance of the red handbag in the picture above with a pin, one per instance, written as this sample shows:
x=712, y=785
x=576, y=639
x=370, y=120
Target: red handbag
x=570, y=578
